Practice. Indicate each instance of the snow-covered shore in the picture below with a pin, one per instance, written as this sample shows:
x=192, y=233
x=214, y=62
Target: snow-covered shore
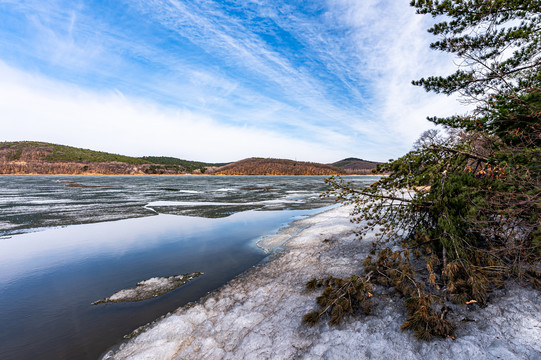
x=258, y=315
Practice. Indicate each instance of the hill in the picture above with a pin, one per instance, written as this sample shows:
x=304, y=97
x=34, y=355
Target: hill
x=34, y=157
x=260, y=166
x=36, y=150
x=190, y=166
x=356, y=166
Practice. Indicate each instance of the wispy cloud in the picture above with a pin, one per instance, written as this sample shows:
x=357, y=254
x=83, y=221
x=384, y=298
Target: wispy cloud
x=331, y=76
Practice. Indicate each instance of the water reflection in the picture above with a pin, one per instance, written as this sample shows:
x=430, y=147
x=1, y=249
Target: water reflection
x=49, y=279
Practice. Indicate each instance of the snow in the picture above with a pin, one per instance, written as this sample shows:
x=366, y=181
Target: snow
x=258, y=314
x=150, y=288
x=272, y=242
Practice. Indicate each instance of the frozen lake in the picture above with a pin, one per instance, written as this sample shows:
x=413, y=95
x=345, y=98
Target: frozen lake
x=60, y=250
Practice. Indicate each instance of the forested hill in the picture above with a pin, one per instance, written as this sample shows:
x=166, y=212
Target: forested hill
x=356, y=166
x=260, y=166
x=34, y=157
x=190, y=166
x=42, y=151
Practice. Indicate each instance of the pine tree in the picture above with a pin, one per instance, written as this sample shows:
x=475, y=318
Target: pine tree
x=467, y=206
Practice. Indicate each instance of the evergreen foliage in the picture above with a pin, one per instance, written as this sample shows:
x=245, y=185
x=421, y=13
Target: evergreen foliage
x=340, y=297
x=186, y=164
x=466, y=205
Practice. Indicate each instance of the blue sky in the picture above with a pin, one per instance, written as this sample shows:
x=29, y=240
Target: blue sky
x=219, y=80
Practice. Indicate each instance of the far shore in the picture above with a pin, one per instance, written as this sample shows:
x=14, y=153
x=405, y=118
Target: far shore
x=94, y=174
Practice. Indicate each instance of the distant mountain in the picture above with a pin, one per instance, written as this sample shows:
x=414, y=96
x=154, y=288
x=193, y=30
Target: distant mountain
x=260, y=166
x=356, y=166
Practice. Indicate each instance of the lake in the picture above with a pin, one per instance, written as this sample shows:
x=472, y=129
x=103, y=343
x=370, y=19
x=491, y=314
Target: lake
x=67, y=241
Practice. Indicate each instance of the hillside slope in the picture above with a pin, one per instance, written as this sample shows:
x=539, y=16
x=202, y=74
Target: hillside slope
x=34, y=157
x=260, y=166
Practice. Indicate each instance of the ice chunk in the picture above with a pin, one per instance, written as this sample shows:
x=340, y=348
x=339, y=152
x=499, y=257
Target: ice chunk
x=150, y=288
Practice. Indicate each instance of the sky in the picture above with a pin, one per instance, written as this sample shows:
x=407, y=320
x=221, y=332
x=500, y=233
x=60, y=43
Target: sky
x=219, y=81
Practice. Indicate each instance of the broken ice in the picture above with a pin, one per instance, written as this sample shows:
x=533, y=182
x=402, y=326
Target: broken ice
x=150, y=288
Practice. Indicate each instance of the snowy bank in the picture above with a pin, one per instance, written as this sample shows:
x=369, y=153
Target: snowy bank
x=150, y=288
x=258, y=315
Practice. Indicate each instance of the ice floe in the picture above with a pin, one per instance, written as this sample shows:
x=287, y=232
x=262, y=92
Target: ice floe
x=191, y=203
x=258, y=314
x=150, y=288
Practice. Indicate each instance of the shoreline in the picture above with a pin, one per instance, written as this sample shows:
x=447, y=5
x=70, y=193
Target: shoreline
x=35, y=174
x=258, y=314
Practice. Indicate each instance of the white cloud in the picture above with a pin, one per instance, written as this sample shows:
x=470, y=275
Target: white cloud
x=395, y=45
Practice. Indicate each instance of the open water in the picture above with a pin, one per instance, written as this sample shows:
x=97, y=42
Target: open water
x=67, y=241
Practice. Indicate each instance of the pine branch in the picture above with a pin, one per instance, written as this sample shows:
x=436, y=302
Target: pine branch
x=470, y=155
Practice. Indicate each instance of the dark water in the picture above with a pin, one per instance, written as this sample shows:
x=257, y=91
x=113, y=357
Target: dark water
x=49, y=276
